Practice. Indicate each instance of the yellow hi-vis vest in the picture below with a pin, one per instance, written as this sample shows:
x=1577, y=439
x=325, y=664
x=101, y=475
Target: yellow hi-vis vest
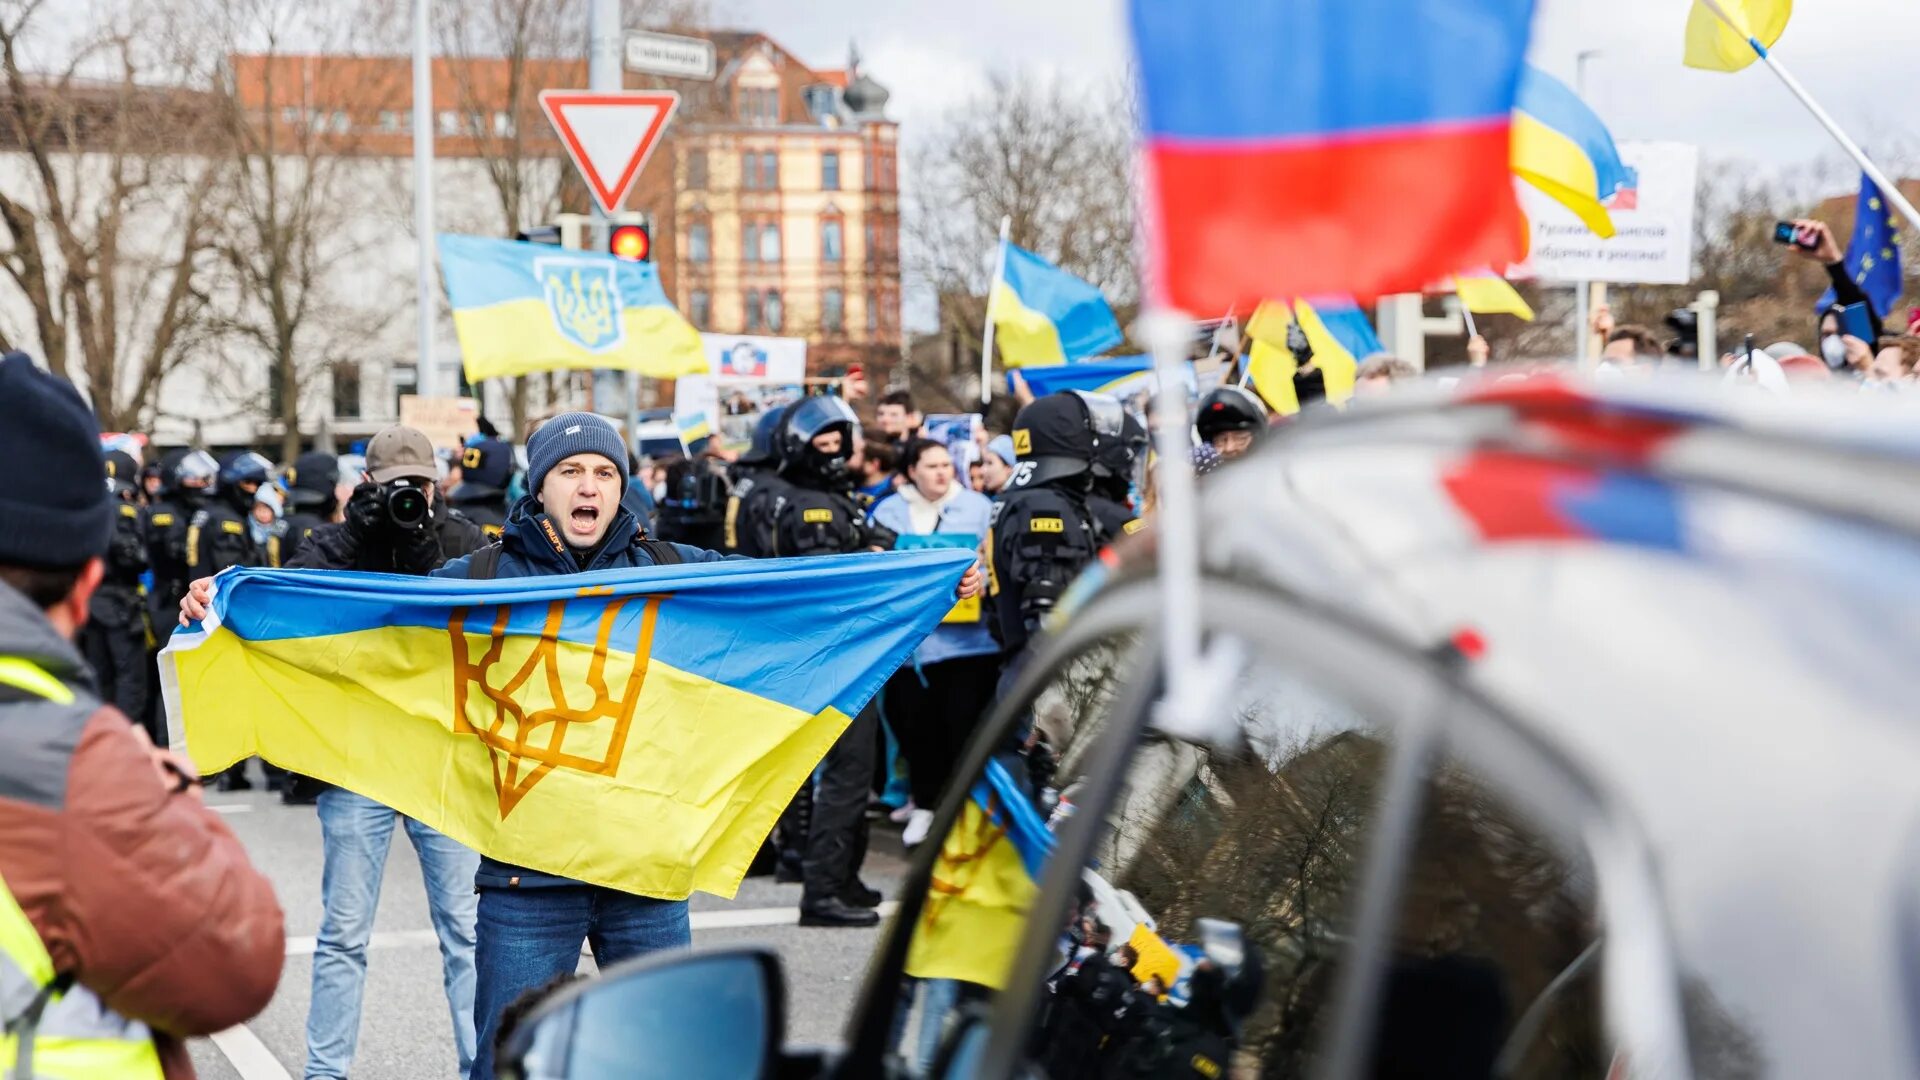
x=53, y=1030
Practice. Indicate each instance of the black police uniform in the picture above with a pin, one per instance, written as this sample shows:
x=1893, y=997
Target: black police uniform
x=311, y=501
x=114, y=640
x=809, y=510
x=694, y=510
x=1113, y=471
x=218, y=537
x=1043, y=531
x=756, y=469
x=486, y=467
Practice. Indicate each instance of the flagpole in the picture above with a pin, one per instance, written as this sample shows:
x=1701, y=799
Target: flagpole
x=1167, y=335
x=986, y=336
x=1888, y=189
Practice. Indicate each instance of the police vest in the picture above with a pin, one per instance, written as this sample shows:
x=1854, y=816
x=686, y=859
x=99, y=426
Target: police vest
x=54, y=1030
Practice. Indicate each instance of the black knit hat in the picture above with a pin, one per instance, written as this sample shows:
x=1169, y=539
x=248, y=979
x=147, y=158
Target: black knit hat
x=54, y=510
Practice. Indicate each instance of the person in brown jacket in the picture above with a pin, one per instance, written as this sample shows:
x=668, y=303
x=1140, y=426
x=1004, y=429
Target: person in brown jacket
x=130, y=917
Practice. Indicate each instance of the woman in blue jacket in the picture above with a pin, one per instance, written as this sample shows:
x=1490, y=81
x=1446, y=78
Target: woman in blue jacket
x=934, y=703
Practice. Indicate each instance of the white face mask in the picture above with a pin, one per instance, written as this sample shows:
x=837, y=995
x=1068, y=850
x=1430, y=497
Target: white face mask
x=1834, y=350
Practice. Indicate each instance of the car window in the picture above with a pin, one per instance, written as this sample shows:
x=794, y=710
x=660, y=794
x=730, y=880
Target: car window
x=1495, y=968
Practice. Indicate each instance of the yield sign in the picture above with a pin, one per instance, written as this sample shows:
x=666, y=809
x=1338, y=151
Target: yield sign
x=609, y=134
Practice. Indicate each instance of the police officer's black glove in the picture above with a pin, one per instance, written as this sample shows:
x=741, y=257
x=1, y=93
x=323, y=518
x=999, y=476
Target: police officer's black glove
x=367, y=513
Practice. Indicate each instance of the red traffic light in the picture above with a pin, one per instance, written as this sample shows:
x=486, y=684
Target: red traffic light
x=630, y=242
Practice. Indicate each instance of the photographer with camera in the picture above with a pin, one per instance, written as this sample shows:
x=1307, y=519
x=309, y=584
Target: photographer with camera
x=393, y=525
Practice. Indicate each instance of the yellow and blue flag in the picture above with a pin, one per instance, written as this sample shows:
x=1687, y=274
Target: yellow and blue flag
x=1121, y=376
x=639, y=729
x=520, y=308
x=984, y=882
x=1487, y=293
x=1044, y=315
x=1749, y=30
x=1337, y=331
x=1561, y=147
x=693, y=428
x=1873, y=254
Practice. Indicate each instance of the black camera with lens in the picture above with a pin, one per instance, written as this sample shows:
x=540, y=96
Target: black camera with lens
x=406, y=505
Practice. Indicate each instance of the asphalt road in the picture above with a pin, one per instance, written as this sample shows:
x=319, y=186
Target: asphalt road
x=405, y=1032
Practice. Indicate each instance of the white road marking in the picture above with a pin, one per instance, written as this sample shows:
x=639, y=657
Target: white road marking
x=231, y=808
x=248, y=1055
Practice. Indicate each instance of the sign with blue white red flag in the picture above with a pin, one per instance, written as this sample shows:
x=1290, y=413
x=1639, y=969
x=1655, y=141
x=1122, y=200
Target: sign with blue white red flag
x=1299, y=147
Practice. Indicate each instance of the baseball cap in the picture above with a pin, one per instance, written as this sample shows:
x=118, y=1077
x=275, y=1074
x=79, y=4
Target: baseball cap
x=398, y=452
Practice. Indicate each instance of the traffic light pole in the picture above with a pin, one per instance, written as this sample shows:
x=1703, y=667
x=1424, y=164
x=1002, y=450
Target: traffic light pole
x=605, y=58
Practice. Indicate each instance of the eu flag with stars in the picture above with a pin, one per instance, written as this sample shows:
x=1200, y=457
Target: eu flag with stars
x=1873, y=255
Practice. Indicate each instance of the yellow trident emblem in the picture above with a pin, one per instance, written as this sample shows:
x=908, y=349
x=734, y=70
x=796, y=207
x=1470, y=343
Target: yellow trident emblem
x=526, y=742
x=582, y=303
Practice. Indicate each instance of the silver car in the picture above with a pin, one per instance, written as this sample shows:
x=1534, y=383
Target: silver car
x=1549, y=730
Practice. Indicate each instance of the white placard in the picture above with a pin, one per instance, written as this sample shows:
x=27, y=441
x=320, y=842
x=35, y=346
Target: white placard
x=670, y=54
x=1653, y=243
x=738, y=358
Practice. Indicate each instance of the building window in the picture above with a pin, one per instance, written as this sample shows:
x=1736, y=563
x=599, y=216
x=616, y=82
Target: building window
x=700, y=308
x=833, y=311
x=759, y=106
x=753, y=310
x=749, y=170
x=448, y=122
x=503, y=124
x=346, y=391
x=339, y=123
x=770, y=172
x=822, y=101
x=697, y=170
x=776, y=311
x=830, y=171
x=830, y=243
x=699, y=242
x=389, y=120
x=770, y=242
x=749, y=242
x=873, y=312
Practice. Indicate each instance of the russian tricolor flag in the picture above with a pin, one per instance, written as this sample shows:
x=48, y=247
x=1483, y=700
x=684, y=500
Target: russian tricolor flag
x=1306, y=147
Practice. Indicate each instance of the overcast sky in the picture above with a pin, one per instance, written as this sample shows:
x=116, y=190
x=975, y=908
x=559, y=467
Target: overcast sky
x=1856, y=57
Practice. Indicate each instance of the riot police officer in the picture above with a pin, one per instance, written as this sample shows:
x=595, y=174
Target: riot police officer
x=1116, y=468
x=758, y=467
x=694, y=510
x=1231, y=421
x=114, y=639
x=1043, y=530
x=217, y=535
x=808, y=509
x=486, y=467
x=186, y=482
x=312, y=500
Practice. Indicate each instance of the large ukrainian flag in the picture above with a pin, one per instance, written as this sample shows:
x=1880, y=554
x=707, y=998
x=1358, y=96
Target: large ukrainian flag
x=1340, y=336
x=638, y=729
x=520, y=307
x=1043, y=315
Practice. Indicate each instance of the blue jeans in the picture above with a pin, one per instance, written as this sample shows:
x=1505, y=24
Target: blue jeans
x=357, y=832
x=530, y=937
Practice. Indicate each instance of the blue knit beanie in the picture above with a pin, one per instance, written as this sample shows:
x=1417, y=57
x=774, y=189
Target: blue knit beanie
x=55, y=509
x=566, y=435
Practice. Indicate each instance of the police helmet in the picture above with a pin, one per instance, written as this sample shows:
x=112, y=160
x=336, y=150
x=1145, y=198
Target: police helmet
x=807, y=421
x=311, y=480
x=765, y=447
x=195, y=469
x=1230, y=408
x=1055, y=437
x=486, y=463
x=1118, y=464
x=245, y=468
x=123, y=474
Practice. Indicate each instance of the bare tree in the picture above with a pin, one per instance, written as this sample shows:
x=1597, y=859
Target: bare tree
x=1056, y=161
x=294, y=197
x=108, y=226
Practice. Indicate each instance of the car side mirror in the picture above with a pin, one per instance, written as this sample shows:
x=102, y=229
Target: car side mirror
x=686, y=1016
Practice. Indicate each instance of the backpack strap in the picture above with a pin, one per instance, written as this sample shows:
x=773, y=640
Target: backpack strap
x=661, y=552
x=484, y=564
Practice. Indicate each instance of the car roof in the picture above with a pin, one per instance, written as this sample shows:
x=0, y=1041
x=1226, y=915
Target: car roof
x=1704, y=598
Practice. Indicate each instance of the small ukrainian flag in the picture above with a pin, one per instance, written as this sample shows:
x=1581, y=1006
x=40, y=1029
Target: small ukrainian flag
x=1043, y=315
x=521, y=308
